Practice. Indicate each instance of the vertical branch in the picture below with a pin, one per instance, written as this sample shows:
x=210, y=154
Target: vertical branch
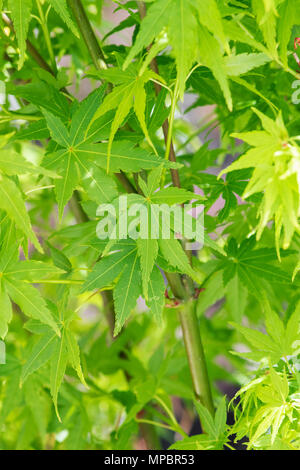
x=88, y=34
x=188, y=317
x=195, y=355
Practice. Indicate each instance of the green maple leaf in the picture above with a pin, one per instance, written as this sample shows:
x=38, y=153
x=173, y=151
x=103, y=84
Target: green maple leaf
x=252, y=266
x=188, y=39
x=60, y=6
x=128, y=93
x=275, y=158
x=76, y=159
x=21, y=16
x=234, y=185
x=280, y=340
x=59, y=351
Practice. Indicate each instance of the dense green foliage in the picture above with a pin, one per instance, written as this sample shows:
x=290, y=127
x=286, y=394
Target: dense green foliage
x=89, y=364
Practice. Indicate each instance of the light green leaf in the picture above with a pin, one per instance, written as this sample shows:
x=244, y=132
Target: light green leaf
x=211, y=57
x=151, y=26
x=20, y=13
x=37, y=401
x=156, y=294
x=207, y=420
x=32, y=270
x=286, y=21
x=183, y=37
x=30, y=302
x=12, y=163
x=97, y=183
x=64, y=187
x=60, y=6
x=258, y=340
x=242, y=63
x=210, y=17
x=236, y=297
x=5, y=313
x=11, y=202
x=267, y=22
x=221, y=418
x=74, y=355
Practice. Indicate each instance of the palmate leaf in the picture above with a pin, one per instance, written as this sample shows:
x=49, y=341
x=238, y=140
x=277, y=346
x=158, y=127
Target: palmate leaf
x=274, y=157
x=30, y=301
x=214, y=187
x=122, y=267
x=242, y=63
x=21, y=15
x=79, y=161
x=129, y=92
x=252, y=266
x=6, y=312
